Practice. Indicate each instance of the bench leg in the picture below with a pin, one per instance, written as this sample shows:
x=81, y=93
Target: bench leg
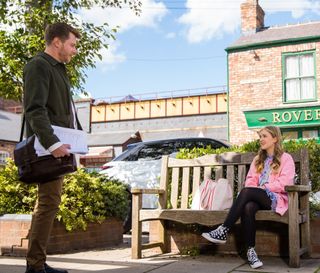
x=294, y=233
x=165, y=246
x=136, y=237
x=305, y=227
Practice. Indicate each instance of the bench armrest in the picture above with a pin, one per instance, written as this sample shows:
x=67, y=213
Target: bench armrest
x=298, y=188
x=147, y=191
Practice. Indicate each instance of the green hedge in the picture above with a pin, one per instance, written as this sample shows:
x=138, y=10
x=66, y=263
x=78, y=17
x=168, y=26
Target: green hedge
x=85, y=198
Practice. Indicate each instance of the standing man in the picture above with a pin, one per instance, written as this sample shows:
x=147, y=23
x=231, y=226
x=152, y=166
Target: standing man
x=48, y=101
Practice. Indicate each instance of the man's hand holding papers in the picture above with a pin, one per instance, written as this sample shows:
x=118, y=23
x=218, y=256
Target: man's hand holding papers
x=77, y=139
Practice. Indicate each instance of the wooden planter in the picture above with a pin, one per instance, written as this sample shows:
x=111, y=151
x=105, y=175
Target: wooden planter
x=271, y=239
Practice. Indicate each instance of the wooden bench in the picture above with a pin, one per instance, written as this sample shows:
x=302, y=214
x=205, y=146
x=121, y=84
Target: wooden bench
x=181, y=178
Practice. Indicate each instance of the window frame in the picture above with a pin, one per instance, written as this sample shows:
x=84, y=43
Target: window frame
x=284, y=78
x=6, y=155
x=301, y=130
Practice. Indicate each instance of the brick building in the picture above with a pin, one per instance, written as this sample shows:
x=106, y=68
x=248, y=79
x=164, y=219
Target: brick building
x=10, y=124
x=10, y=106
x=273, y=74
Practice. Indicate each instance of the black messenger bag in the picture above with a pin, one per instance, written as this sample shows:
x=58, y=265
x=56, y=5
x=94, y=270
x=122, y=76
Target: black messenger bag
x=39, y=169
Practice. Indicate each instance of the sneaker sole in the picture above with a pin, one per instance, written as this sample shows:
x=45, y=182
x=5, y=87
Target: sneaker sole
x=257, y=265
x=212, y=240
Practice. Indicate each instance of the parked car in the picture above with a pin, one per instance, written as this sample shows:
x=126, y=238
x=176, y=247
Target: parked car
x=139, y=166
x=152, y=150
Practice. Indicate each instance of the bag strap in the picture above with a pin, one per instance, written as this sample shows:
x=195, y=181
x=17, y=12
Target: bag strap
x=22, y=127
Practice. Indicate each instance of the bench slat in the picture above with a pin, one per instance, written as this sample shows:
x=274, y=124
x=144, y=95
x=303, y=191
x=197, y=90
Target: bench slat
x=185, y=187
x=241, y=176
x=174, y=188
x=196, y=180
x=185, y=216
x=206, y=160
x=205, y=217
x=207, y=173
x=230, y=176
x=218, y=172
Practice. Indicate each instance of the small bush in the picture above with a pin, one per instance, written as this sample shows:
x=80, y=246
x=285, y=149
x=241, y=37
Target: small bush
x=15, y=197
x=85, y=198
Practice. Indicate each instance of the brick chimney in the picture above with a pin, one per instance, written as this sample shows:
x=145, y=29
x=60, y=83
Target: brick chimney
x=252, y=17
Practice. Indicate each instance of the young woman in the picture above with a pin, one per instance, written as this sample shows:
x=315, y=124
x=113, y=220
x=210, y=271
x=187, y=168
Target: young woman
x=271, y=170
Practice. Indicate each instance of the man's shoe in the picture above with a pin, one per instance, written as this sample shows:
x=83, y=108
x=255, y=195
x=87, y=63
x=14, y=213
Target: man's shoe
x=49, y=269
x=218, y=235
x=253, y=259
x=31, y=270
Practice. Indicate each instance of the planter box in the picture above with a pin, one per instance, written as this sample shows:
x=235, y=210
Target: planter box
x=315, y=237
x=14, y=232
x=271, y=239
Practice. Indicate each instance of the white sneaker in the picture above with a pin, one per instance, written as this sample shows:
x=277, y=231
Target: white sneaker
x=218, y=235
x=253, y=259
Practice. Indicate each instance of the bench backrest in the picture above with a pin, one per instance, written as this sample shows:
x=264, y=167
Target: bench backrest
x=180, y=178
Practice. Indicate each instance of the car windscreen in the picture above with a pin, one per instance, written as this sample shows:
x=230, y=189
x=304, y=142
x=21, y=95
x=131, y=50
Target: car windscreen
x=124, y=156
x=156, y=150
x=201, y=143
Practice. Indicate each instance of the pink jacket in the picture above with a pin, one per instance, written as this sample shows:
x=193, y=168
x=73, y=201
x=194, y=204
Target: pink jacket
x=277, y=181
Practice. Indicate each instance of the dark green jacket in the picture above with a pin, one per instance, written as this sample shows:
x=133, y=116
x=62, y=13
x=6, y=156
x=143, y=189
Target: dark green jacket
x=47, y=98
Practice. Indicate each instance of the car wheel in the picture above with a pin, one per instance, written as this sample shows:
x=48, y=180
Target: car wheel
x=128, y=219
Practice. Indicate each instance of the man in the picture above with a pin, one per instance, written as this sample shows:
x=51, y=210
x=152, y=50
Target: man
x=47, y=101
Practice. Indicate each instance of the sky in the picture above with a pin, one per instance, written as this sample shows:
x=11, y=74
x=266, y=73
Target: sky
x=177, y=44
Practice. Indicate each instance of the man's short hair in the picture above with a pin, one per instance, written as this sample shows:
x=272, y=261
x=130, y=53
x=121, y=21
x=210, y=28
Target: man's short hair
x=59, y=30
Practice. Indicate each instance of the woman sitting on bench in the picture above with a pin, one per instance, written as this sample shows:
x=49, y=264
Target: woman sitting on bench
x=271, y=170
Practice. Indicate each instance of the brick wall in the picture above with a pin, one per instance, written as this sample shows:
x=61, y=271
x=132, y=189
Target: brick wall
x=255, y=83
x=109, y=233
x=10, y=105
x=271, y=238
x=14, y=231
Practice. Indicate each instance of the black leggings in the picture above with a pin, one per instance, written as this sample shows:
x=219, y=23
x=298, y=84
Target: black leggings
x=248, y=202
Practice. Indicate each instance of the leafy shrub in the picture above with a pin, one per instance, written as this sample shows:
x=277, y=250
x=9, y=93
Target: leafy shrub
x=195, y=152
x=15, y=197
x=85, y=198
x=186, y=153
x=314, y=155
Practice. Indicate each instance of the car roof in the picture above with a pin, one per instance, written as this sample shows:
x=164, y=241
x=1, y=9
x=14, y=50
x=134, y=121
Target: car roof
x=137, y=145
x=175, y=140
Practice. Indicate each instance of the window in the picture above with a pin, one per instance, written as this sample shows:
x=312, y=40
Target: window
x=3, y=157
x=308, y=134
x=299, y=77
x=290, y=135
x=301, y=133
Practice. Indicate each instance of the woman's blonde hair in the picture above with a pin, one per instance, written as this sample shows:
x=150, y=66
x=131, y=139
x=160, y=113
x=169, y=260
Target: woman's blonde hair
x=278, y=150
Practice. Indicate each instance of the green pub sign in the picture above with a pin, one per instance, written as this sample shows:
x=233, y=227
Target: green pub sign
x=285, y=117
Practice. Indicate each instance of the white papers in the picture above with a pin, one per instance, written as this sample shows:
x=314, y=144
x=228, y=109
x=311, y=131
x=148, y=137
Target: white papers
x=76, y=138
